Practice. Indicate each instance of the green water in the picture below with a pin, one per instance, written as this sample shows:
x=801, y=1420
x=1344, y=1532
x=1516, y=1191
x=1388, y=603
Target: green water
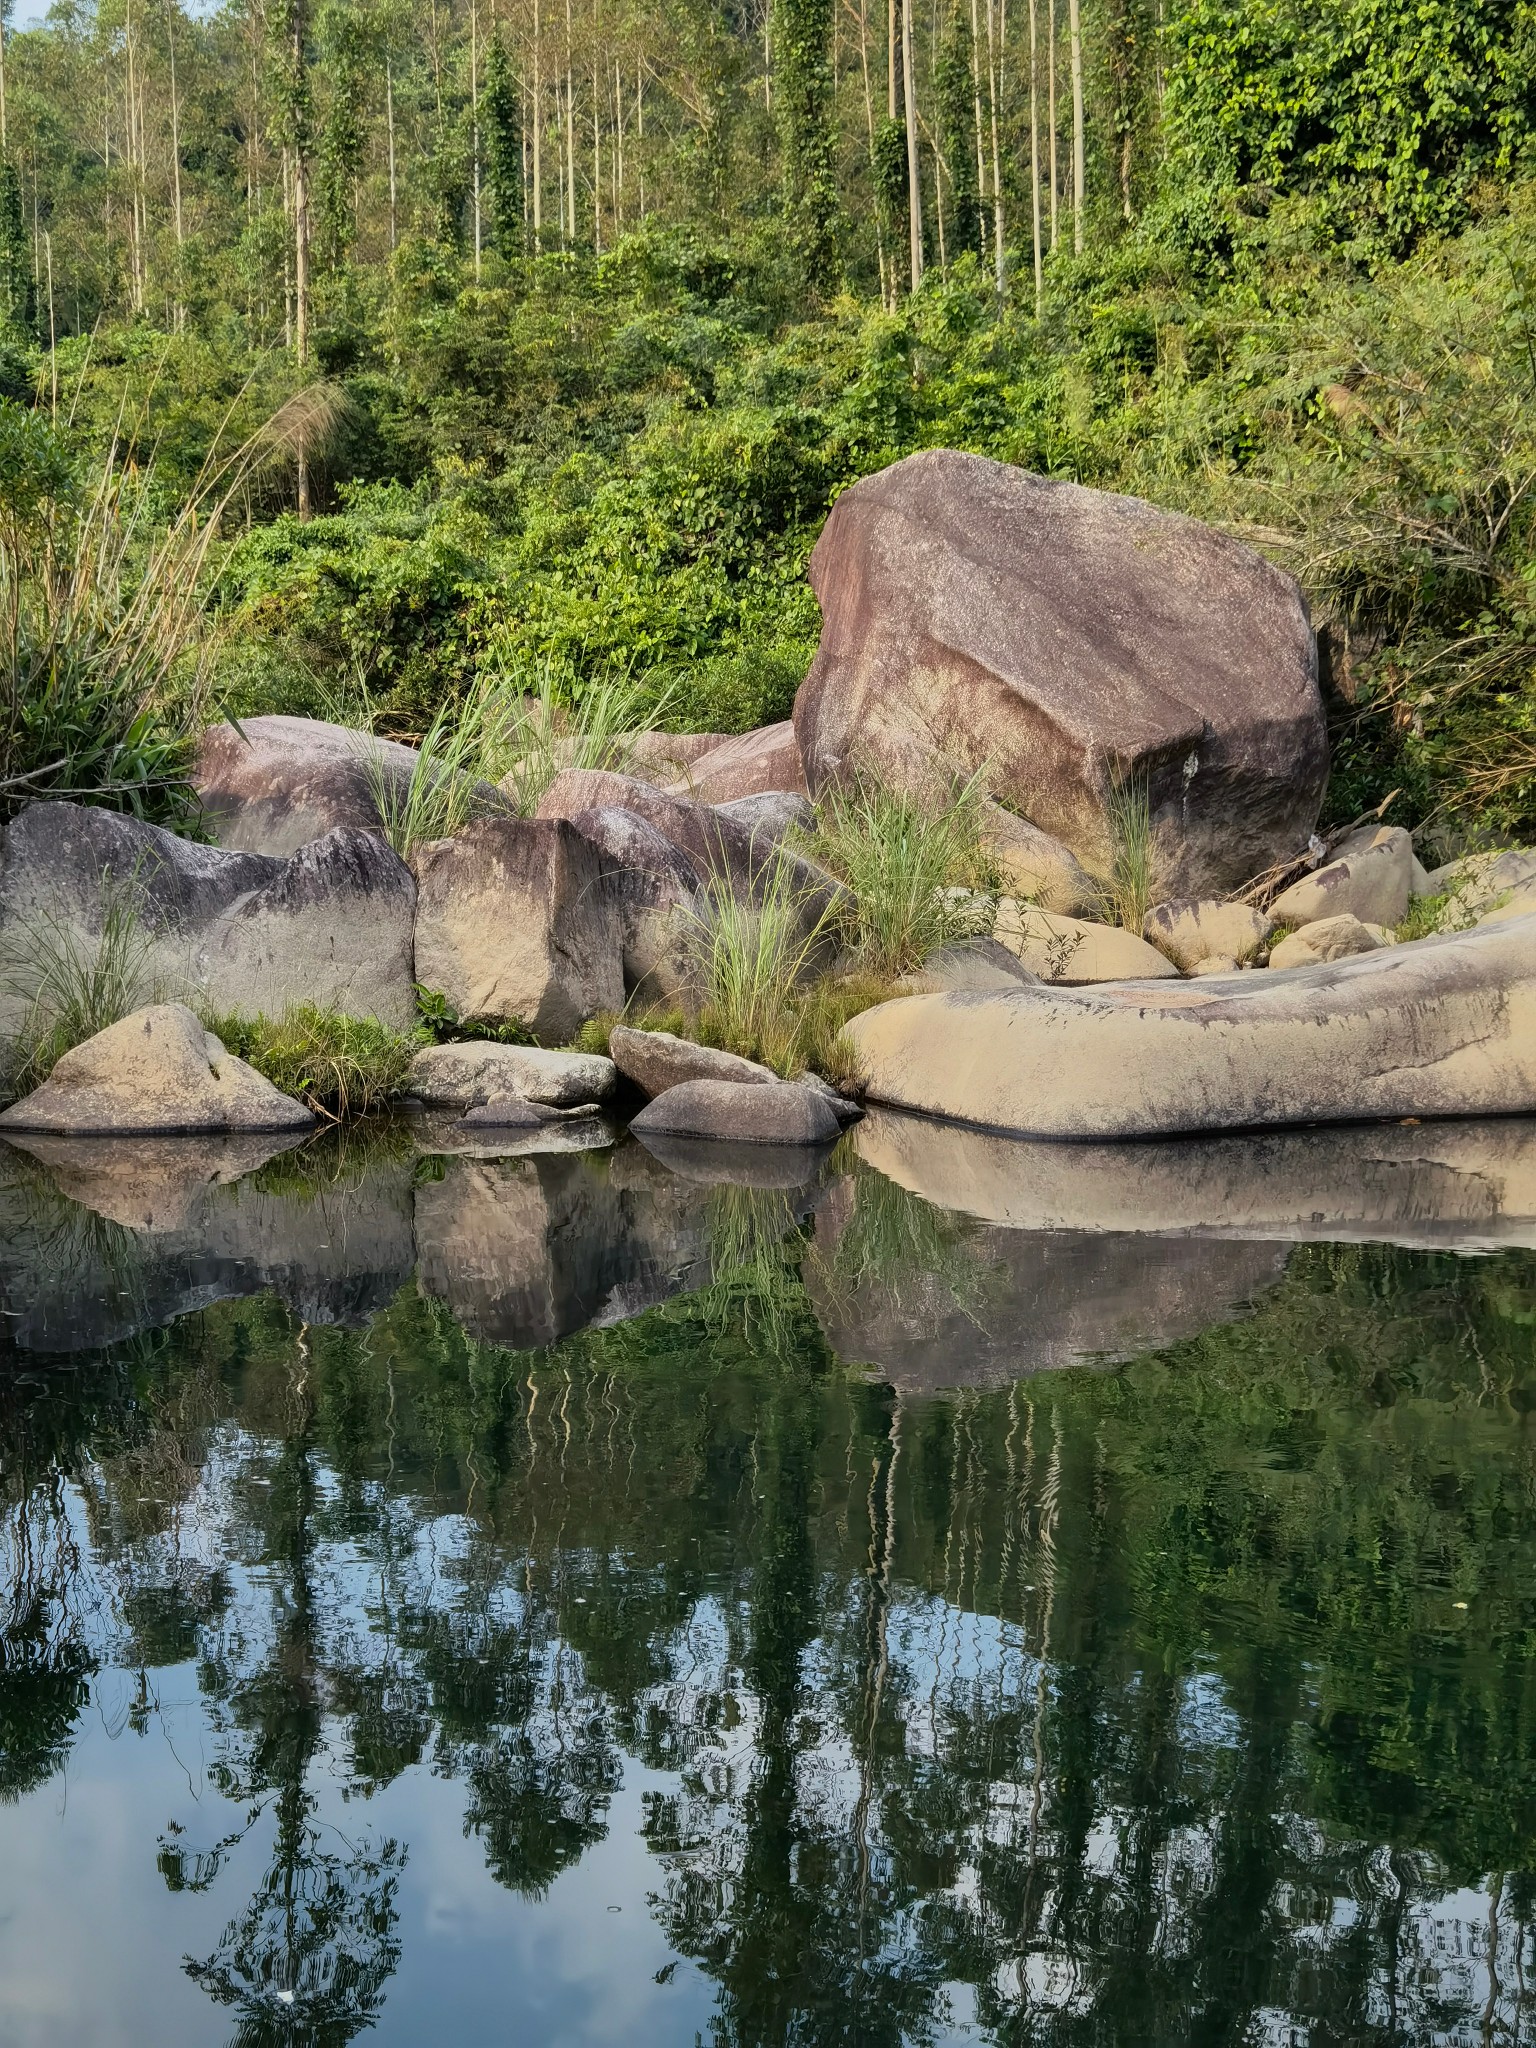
x=683, y=1617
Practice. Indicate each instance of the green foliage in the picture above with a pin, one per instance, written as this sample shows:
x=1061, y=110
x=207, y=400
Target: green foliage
x=502, y=128
x=802, y=38
x=748, y=952
x=341, y=1067
x=443, y=1025
x=955, y=90
x=1134, y=882
x=18, y=298
x=901, y=855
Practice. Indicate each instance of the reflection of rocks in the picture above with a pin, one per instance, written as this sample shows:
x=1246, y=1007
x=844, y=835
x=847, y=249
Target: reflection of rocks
x=525, y=1251
x=1459, y=1186
x=717, y=1162
x=131, y=1252
x=931, y=1301
x=555, y=1130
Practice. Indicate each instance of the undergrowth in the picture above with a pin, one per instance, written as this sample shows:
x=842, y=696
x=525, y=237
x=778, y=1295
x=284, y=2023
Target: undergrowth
x=339, y=1066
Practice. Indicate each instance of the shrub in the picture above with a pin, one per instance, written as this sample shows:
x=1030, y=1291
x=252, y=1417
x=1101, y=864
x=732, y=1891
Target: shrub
x=1134, y=884
x=339, y=1066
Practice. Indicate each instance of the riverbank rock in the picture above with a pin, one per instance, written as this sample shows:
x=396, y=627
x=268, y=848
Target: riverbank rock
x=1068, y=950
x=741, y=1113
x=1330, y=938
x=968, y=963
x=519, y=918
x=240, y=933
x=1484, y=883
x=1063, y=641
x=658, y=1060
x=156, y=1071
x=745, y=765
x=274, y=783
x=772, y=816
x=660, y=894
x=665, y=756
x=1442, y=1027
x=1190, y=933
x=1371, y=879
x=1035, y=867
x=476, y=1070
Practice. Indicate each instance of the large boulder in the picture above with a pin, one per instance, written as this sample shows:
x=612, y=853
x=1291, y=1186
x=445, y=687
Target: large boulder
x=747, y=765
x=1441, y=1027
x=273, y=783
x=658, y=1060
x=1371, y=877
x=1062, y=641
x=661, y=898
x=1330, y=938
x=237, y=933
x=156, y=1071
x=740, y=1113
x=519, y=918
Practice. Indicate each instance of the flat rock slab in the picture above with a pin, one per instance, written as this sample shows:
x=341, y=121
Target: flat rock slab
x=1441, y=1027
x=478, y=1070
x=740, y=1112
x=658, y=1060
x=156, y=1071
x=1061, y=641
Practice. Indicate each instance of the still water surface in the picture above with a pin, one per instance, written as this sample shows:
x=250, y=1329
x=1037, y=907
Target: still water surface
x=964, y=1592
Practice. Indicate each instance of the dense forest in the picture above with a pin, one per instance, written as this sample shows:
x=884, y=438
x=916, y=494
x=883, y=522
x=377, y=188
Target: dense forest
x=534, y=341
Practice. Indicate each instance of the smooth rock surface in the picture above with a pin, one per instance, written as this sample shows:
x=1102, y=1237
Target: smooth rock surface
x=1330, y=938
x=746, y=765
x=969, y=963
x=1190, y=932
x=1372, y=881
x=658, y=1060
x=741, y=1113
x=476, y=1070
x=1482, y=880
x=520, y=918
x=773, y=816
x=156, y=1071
x=1056, y=638
x=277, y=782
x=1035, y=867
x=235, y=932
x=1441, y=1027
x=1068, y=951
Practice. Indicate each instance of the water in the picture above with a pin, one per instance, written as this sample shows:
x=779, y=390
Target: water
x=962, y=1592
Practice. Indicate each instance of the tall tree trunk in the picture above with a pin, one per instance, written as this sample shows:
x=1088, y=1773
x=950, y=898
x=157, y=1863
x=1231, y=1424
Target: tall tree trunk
x=1034, y=150
x=170, y=37
x=1079, y=154
x=914, y=167
x=981, y=148
x=536, y=124
x=1052, y=66
x=869, y=125
x=474, y=122
x=301, y=308
x=389, y=123
x=570, y=128
x=4, y=136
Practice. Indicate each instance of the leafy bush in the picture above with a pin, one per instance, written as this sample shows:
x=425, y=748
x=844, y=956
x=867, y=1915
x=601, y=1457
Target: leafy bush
x=340, y=1066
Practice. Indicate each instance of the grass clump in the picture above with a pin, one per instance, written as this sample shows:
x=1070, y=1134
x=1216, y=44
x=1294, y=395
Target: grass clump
x=74, y=984
x=904, y=859
x=338, y=1066
x=1134, y=882
x=749, y=954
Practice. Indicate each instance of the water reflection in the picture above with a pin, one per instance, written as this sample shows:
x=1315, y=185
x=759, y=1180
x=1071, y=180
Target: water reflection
x=622, y=1549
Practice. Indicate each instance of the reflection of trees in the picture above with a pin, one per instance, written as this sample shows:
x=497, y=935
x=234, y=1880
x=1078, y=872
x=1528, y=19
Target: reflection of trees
x=1134, y=1705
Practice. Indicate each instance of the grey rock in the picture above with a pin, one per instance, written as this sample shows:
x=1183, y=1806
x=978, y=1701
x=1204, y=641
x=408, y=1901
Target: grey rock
x=745, y=765
x=1056, y=639
x=155, y=1071
x=1482, y=881
x=773, y=816
x=845, y=1110
x=658, y=1060
x=660, y=895
x=977, y=963
x=519, y=918
x=740, y=1112
x=722, y=1163
x=477, y=1070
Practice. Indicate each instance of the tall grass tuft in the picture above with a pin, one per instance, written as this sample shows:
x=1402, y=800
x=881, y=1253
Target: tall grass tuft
x=73, y=983
x=447, y=787
x=901, y=856
x=1134, y=883
x=105, y=663
x=600, y=729
x=749, y=953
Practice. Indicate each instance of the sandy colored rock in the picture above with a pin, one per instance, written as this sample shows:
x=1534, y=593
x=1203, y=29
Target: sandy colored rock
x=1214, y=963
x=1330, y=938
x=1068, y=950
x=476, y=1070
x=1482, y=881
x=237, y=933
x=977, y=618
x=1192, y=932
x=658, y=1060
x=1441, y=1027
x=746, y=765
x=740, y=1112
x=1372, y=881
x=156, y=1071
x=968, y=963
x=519, y=918
x=279, y=782
x=1035, y=867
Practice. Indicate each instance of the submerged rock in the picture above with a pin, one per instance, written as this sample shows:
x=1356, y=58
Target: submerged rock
x=1443, y=1027
x=518, y=918
x=1062, y=641
x=156, y=1071
x=741, y=1112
